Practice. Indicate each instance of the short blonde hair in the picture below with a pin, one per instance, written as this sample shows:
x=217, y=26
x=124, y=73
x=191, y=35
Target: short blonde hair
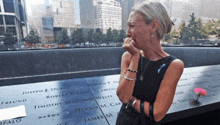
x=155, y=10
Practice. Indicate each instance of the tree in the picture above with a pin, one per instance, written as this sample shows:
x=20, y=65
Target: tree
x=167, y=37
x=98, y=36
x=73, y=38
x=184, y=33
x=109, y=36
x=121, y=35
x=202, y=29
x=217, y=28
x=89, y=35
x=8, y=38
x=33, y=37
x=174, y=34
x=214, y=28
x=115, y=35
x=206, y=30
x=193, y=28
x=77, y=36
x=199, y=23
x=63, y=38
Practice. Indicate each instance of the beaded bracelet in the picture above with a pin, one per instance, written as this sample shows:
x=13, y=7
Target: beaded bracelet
x=131, y=70
x=130, y=79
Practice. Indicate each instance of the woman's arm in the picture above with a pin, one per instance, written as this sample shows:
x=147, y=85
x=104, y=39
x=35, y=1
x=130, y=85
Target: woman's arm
x=165, y=93
x=126, y=87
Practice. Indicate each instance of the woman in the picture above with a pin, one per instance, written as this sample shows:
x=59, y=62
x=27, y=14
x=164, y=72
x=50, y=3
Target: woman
x=148, y=77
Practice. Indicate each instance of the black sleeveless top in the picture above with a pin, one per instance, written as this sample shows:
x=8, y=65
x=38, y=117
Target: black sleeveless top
x=144, y=90
x=147, y=89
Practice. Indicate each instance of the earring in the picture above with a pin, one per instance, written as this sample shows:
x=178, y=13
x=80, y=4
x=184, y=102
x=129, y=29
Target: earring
x=152, y=35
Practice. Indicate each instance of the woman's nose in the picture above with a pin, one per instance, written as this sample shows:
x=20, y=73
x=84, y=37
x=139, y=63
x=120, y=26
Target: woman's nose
x=128, y=33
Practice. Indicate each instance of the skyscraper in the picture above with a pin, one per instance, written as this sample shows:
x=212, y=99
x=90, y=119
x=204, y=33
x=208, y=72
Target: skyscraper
x=210, y=9
x=64, y=16
x=108, y=15
x=126, y=10
x=53, y=16
x=204, y=9
x=103, y=14
x=64, y=13
x=87, y=13
x=13, y=17
x=41, y=20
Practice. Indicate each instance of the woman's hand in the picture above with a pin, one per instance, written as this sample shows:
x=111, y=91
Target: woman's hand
x=129, y=45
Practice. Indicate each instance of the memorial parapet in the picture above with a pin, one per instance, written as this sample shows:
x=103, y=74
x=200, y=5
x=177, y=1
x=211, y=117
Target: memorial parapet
x=21, y=67
x=93, y=100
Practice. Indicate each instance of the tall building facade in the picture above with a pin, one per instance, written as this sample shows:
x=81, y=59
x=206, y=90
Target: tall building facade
x=126, y=10
x=13, y=17
x=53, y=16
x=210, y=9
x=180, y=11
x=103, y=14
x=64, y=16
x=41, y=20
x=204, y=9
x=188, y=9
x=64, y=13
x=108, y=15
x=87, y=13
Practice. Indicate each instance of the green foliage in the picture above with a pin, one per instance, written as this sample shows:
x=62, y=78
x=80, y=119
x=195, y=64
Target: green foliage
x=63, y=38
x=89, y=35
x=202, y=29
x=210, y=28
x=196, y=30
x=189, y=32
x=8, y=38
x=167, y=37
x=214, y=26
x=115, y=35
x=77, y=36
x=183, y=31
x=217, y=30
x=174, y=34
x=199, y=23
x=122, y=35
x=98, y=36
x=193, y=28
x=33, y=37
x=109, y=36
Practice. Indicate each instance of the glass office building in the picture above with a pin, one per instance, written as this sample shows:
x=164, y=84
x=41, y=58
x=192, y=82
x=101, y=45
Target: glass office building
x=13, y=17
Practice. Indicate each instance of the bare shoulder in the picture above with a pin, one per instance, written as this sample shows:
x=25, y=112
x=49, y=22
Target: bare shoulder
x=175, y=69
x=177, y=64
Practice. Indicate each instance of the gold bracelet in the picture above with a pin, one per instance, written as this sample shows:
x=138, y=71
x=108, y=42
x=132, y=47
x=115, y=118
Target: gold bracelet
x=130, y=79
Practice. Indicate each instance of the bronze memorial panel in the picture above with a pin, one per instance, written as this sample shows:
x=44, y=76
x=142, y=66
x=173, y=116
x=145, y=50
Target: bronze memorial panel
x=93, y=100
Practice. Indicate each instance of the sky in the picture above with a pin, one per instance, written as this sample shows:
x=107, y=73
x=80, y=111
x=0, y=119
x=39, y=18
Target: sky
x=34, y=2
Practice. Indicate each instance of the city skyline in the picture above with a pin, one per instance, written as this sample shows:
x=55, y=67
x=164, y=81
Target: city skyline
x=77, y=8
x=103, y=14
x=31, y=2
x=189, y=2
